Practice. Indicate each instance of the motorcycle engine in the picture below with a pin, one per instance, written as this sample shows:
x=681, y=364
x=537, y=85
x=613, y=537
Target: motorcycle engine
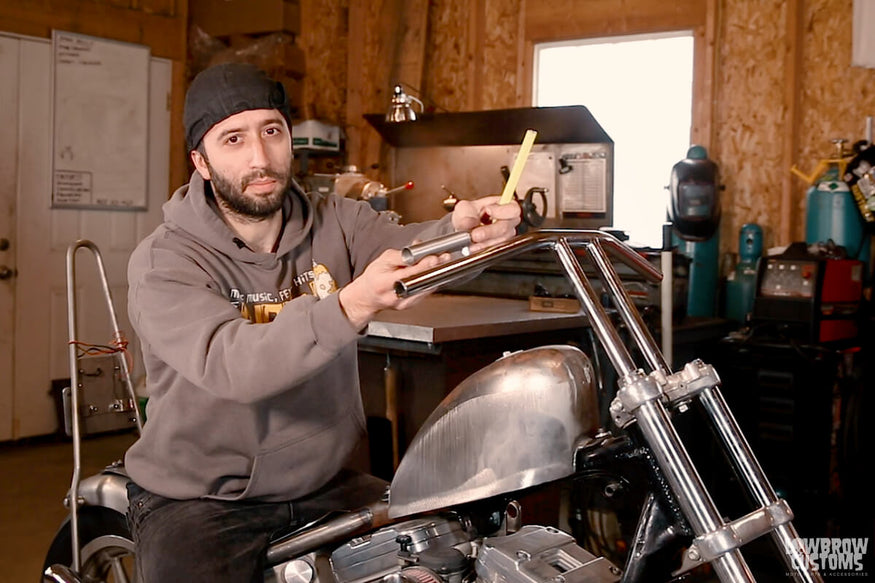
x=434, y=549
x=440, y=549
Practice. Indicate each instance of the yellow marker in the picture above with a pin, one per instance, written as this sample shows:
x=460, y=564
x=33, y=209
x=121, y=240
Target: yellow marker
x=518, y=166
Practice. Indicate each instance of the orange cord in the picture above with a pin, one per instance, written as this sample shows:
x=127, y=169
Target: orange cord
x=118, y=344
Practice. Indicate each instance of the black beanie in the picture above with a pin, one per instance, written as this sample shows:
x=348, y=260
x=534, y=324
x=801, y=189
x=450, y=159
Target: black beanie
x=223, y=90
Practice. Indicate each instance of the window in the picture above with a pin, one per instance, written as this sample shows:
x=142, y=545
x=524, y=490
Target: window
x=640, y=89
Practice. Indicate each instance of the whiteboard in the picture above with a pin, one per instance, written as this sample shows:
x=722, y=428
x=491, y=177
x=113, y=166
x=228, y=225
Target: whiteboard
x=100, y=122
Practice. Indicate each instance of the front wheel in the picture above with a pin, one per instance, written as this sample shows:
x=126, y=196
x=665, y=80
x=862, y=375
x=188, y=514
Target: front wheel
x=107, y=547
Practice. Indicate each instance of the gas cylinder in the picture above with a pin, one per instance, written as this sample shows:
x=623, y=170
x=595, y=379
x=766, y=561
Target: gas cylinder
x=741, y=282
x=831, y=213
x=830, y=209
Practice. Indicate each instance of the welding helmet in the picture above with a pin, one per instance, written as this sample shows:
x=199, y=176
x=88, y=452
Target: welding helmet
x=694, y=200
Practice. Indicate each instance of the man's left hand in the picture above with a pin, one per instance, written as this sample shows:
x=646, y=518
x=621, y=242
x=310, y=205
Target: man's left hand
x=488, y=221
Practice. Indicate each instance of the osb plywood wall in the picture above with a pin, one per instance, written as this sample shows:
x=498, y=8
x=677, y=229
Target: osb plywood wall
x=834, y=98
x=780, y=76
x=454, y=55
x=785, y=89
x=469, y=57
x=448, y=48
x=502, y=85
x=324, y=38
x=749, y=116
x=160, y=24
x=472, y=54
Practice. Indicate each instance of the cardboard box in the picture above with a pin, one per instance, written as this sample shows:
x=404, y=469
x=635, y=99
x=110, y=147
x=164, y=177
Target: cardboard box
x=228, y=17
x=316, y=135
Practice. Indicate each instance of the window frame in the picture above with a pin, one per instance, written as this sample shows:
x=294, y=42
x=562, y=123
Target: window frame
x=643, y=232
x=562, y=20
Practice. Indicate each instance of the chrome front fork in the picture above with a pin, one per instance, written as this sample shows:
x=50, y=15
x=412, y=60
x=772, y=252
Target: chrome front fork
x=646, y=398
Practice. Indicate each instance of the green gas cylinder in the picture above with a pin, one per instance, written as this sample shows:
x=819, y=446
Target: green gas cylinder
x=831, y=212
x=741, y=283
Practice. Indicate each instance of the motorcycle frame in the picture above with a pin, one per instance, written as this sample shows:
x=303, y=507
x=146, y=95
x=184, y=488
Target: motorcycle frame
x=646, y=398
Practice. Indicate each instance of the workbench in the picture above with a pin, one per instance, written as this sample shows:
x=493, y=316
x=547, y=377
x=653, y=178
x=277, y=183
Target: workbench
x=442, y=318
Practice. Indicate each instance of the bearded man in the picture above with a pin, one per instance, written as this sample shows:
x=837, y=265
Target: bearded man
x=248, y=301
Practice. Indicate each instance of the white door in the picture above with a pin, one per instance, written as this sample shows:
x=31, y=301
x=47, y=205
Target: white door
x=8, y=181
x=37, y=325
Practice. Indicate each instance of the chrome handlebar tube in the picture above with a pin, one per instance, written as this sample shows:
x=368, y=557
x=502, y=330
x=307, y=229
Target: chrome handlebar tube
x=646, y=399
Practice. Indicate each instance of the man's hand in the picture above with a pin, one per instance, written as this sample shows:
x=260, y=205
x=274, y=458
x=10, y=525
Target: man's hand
x=374, y=289
x=488, y=221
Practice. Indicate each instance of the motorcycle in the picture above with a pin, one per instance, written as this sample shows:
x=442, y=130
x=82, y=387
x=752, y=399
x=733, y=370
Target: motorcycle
x=529, y=420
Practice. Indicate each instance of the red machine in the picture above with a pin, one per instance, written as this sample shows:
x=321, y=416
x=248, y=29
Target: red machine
x=811, y=295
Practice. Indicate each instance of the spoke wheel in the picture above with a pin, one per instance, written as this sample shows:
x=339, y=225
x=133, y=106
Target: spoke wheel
x=108, y=558
x=107, y=554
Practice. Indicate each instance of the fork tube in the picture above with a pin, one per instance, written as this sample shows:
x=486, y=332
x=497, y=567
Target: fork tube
x=627, y=309
x=695, y=501
x=690, y=492
x=739, y=450
x=785, y=535
x=598, y=318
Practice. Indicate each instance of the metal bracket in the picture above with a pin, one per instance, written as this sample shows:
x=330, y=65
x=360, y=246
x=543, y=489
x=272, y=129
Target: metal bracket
x=684, y=385
x=739, y=532
x=635, y=390
x=676, y=389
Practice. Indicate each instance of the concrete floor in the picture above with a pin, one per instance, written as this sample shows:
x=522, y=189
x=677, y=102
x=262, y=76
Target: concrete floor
x=34, y=478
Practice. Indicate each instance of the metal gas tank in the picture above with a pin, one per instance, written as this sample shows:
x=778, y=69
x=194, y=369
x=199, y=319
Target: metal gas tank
x=832, y=213
x=513, y=424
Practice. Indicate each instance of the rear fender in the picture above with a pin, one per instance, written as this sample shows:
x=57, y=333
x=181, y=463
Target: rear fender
x=107, y=489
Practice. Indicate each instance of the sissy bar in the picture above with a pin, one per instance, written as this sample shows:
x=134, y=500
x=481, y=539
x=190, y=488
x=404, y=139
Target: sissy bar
x=644, y=398
x=80, y=383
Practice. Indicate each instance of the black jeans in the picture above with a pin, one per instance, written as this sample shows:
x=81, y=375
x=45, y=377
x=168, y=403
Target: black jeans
x=215, y=541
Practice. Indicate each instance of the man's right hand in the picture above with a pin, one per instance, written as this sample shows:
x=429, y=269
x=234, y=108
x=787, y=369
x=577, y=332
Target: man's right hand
x=374, y=290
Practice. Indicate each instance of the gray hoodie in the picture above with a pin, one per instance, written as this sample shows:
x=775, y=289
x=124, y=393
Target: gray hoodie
x=251, y=368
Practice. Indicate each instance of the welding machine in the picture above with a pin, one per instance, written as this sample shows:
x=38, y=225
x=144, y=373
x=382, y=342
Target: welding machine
x=810, y=293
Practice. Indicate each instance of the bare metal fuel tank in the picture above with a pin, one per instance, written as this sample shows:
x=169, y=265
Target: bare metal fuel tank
x=509, y=426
